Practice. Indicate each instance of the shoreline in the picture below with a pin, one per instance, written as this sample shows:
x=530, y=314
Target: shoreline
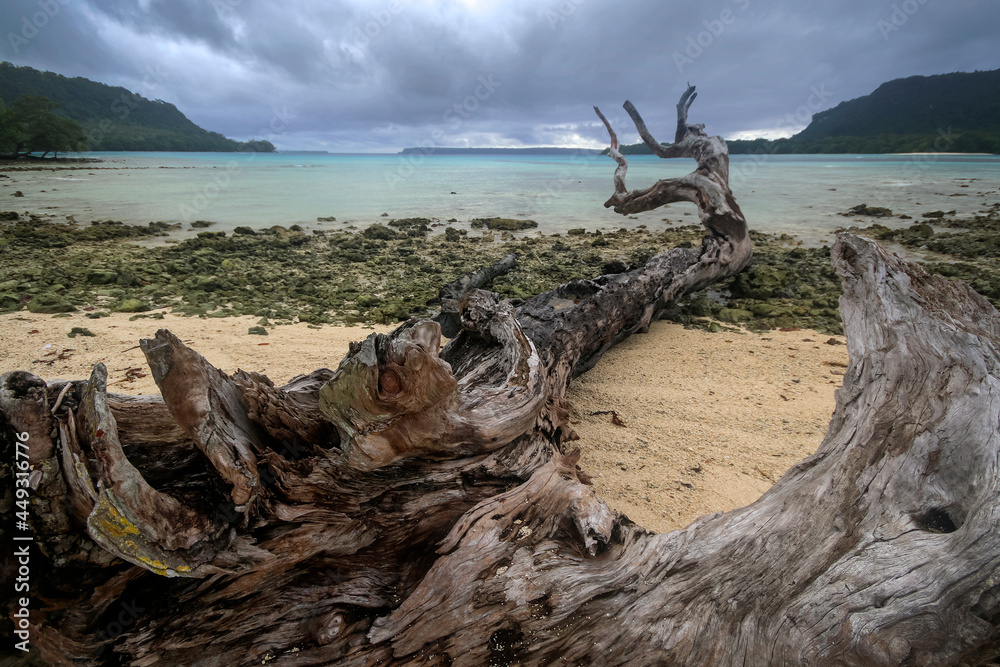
x=798, y=196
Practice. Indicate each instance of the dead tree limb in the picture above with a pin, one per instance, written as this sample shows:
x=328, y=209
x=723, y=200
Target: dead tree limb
x=880, y=549
x=726, y=249
x=417, y=507
x=452, y=293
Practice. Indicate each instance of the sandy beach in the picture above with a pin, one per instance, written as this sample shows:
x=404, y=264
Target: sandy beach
x=710, y=420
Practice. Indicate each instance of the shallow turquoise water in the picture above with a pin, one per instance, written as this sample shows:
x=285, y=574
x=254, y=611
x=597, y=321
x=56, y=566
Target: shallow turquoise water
x=783, y=193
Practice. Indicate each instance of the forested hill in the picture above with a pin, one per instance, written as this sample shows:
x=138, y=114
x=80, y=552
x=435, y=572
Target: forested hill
x=958, y=113
x=916, y=105
x=114, y=118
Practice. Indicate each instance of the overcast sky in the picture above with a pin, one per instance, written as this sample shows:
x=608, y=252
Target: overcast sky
x=377, y=76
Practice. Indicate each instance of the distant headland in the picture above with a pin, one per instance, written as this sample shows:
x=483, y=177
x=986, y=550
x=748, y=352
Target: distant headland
x=944, y=113
x=104, y=118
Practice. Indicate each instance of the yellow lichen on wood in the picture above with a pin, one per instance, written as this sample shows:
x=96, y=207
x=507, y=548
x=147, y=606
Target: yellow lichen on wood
x=121, y=524
x=116, y=533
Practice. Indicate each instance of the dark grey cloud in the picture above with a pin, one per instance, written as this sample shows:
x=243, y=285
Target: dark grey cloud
x=386, y=74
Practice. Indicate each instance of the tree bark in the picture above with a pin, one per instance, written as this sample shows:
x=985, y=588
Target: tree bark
x=419, y=506
x=449, y=296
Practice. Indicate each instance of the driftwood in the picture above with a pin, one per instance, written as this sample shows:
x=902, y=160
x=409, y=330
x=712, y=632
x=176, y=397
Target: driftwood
x=420, y=506
x=449, y=318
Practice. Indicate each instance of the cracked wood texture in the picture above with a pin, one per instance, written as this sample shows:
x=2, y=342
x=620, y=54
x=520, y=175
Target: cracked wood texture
x=419, y=506
x=880, y=549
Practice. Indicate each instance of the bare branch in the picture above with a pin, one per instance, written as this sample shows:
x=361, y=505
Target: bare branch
x=687, y=99
x=622, y=169
x=451, y=294
x=707, y=187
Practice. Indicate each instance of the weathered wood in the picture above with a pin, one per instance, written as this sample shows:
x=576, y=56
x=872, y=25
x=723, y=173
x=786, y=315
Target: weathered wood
x=726, y=249
x=289, y=413
x=209, y=406
x=879, y=549
x=130, y=519
x=453, y=292
x=393, y=397
x=418, y=506
x=25, y=409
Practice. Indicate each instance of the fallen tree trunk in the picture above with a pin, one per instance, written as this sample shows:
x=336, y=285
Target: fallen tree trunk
x=420, y=507
x=449, y=318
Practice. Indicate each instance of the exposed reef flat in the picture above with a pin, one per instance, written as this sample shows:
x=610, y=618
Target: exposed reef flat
x=388, y=273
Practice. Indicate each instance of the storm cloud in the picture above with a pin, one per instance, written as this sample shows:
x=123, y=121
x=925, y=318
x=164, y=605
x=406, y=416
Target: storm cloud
x=379, y=76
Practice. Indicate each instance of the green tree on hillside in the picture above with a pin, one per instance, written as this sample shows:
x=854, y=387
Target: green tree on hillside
x=31, y=126
x=9, y=132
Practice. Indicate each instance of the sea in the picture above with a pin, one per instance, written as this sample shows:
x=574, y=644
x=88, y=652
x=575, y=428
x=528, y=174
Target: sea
x=799, y=195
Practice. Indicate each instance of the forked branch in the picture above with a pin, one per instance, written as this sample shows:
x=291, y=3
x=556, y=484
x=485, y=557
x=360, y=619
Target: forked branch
x=726, y=249
x=707, y=186
x=622, y=169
